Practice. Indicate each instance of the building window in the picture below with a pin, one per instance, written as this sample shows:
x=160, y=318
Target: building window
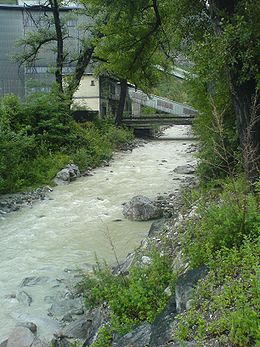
x=92, y=83
x=36, y=69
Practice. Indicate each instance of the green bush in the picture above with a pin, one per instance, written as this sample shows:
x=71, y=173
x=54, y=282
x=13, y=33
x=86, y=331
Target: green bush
x=42, y=170
x=39, y=137
x=223, y=222
x=104, y=337
x=11, y=113
x=49, y=119
x=226, y=302
x=134, y=298
x=115, y=135
x=15, y=152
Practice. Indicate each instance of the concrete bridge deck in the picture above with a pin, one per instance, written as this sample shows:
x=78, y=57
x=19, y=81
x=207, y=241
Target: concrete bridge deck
x=146, y=122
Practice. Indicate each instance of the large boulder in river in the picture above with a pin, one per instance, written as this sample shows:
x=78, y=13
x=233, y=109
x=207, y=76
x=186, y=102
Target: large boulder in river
x=68, y=174
x=141, y=208
x=185, y=169
x=21, y=337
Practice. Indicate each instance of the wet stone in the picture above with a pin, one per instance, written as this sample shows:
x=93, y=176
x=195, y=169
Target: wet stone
x=33, y=281
x=21, y=336
x=24, y=298
x=29, y=325
x=64, y=307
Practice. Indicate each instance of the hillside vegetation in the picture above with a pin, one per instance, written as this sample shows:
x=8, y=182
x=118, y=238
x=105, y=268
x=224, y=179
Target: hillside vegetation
x=39, y=137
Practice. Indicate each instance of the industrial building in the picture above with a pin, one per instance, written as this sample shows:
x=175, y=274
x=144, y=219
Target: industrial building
x=96, y=94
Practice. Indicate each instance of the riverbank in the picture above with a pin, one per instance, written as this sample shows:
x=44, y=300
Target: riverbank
x=192, y=282
x=147, y=298
x=69, y=321
x=66, y=230
x=15, y=201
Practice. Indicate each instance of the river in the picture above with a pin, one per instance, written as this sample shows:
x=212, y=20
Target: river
x=71, y=228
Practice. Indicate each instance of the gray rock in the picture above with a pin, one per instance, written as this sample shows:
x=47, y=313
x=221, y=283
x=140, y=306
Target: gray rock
x=29, y=325
x=24, y=298
x=146, y=260
x=78, y=329
x=62, y=177
x=156, y=227
x=180, y=344
x=33, y=281
x=68, y=174
x=141, y=208
x=124, y=267
x=64, y=307
x=67, y=318
x=60, y=341
x=139, y=337
x=184, y=170
x=3, y=343
x=21, y=337
x=96, y=318
x=13, y=202
x=185, y=285
x=161, y=329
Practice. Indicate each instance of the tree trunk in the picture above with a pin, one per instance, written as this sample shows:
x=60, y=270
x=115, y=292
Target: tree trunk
x=246, y=105
x=60, y=54
x=82, y=62
x=244, y=96
x=121, y=105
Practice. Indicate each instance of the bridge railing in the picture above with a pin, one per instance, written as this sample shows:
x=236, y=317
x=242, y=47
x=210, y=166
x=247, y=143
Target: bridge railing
x=160, y=103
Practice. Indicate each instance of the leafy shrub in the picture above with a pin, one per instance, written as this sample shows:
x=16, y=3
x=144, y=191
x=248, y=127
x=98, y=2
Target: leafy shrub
x=226, y=302
x=132, y=299
x=15, y=151
x=222, y=223
x=11, y=112
x=39, y=137
x=49, y=118
x=42, y=170
x=104, y=337
x=115, y=135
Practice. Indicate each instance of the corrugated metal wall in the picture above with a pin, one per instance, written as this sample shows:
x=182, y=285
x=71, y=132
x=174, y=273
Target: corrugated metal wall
x=11, y=30
x=15, y=22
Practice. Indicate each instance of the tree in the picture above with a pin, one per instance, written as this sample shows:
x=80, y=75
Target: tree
x=237, y=22
x=51, y=31
x=131, y=42
x=222, y=39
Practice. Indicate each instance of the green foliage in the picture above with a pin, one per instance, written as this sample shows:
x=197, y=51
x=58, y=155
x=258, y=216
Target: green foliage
x=39, y=137
x=224, y=47
x=132, y=299
x=222, y=223
x=131, y=35
x=49, y=119
x=171, y=87
x=15, y=151
x=97, y=141
x=226, y=302
x=104, y=337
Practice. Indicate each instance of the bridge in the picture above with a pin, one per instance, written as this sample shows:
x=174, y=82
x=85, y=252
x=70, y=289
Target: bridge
x=145, y=122
x=146, y=125
x=171, y=112
x=158, y=103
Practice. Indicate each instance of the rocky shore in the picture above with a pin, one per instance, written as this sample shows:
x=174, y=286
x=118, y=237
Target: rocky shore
x=68, y=318
x=15, y=201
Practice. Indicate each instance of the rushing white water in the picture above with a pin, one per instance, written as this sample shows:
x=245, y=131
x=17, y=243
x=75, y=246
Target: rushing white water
x=68, y=230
